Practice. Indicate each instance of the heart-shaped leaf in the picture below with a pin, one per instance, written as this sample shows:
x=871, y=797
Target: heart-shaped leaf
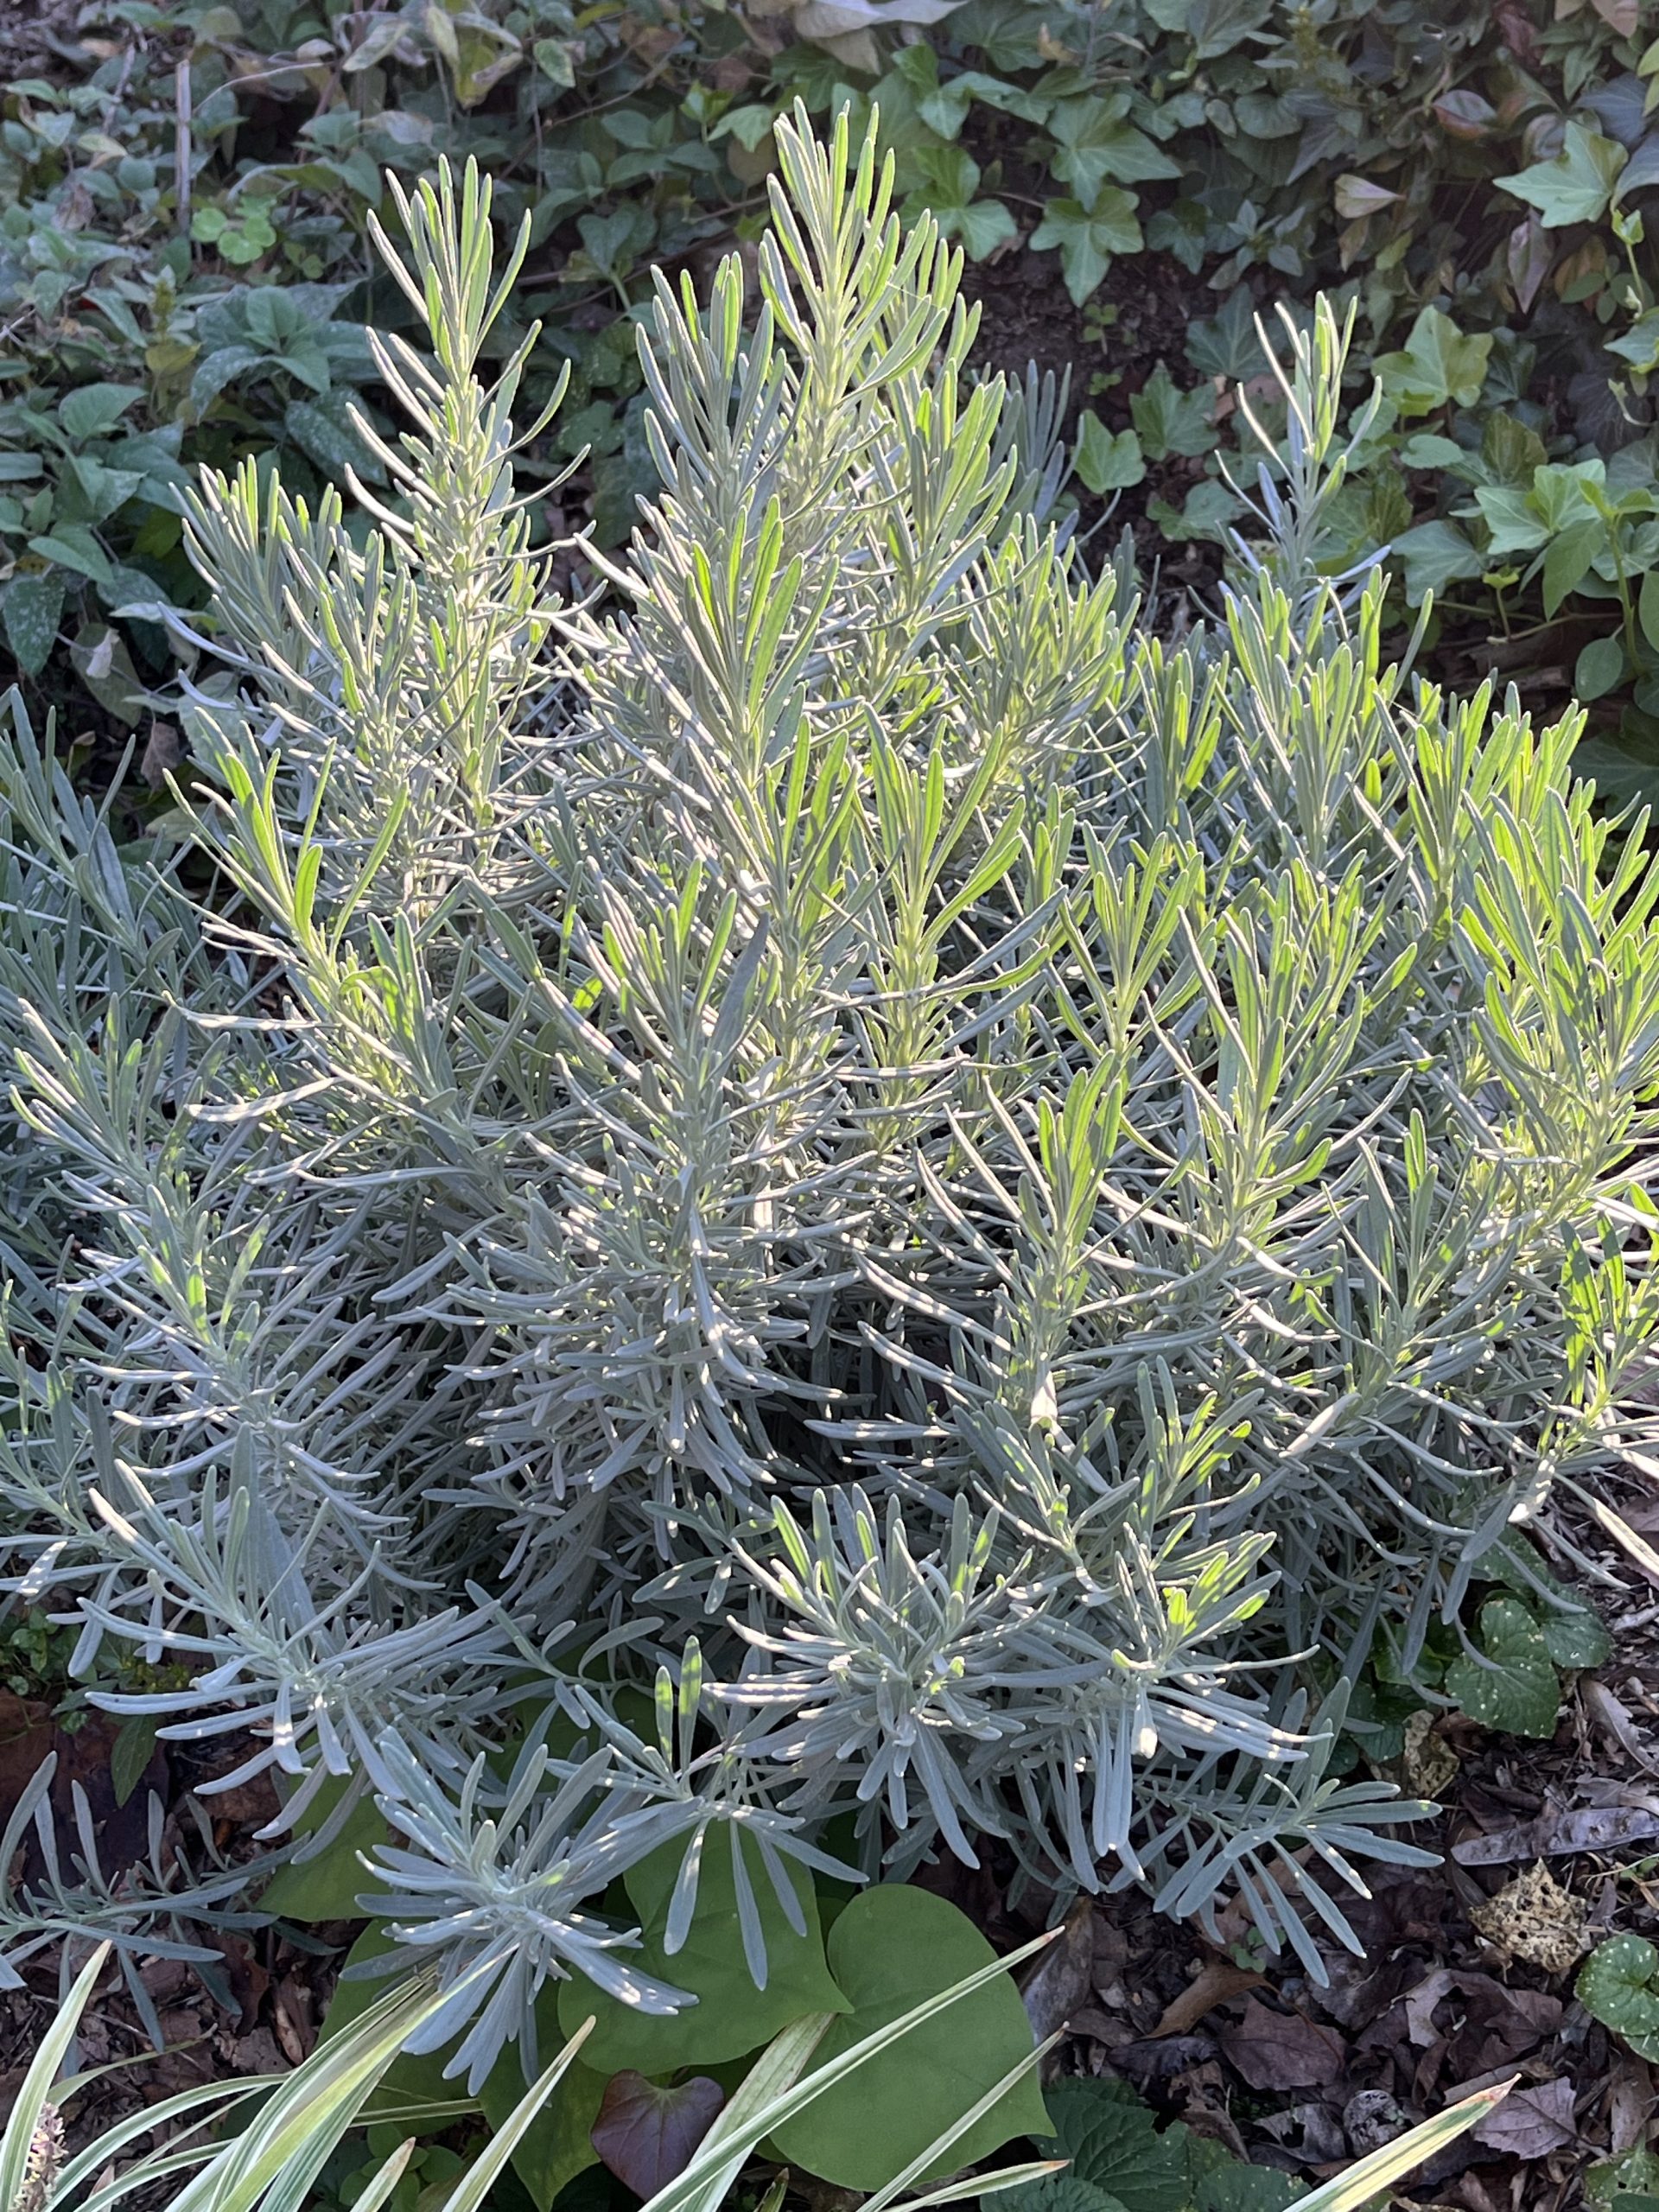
x=891, y=1949
x=1615, y=1986
x=646, y=2135
x=732, y=2015
x=1516, y=1689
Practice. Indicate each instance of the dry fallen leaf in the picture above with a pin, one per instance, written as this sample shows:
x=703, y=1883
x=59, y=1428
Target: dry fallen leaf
x=1530, y=2123
x=1282, y=2051
x=162, y=753
x=1219, y=1980
x=1429, y=1761
x=1561, y=1836
x=1061, y=1979
x=1534, y=1918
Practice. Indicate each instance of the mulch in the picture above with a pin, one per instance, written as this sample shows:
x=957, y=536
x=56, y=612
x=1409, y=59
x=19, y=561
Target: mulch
x=1466, y=1976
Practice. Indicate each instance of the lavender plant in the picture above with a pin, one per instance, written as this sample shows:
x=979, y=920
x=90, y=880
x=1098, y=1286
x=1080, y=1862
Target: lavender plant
x=977, y=1206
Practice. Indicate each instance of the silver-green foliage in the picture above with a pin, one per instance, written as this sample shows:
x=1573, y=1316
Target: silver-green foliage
x=857, y=1138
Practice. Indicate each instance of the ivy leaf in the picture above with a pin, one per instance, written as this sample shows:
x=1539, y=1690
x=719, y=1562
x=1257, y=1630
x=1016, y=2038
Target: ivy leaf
x=1107, y=462
x=950, y=179
x=1639, y=345
x=1437, y=366
x=31, y=611
x=1577, y=186
x=1112, y=2142
x=1227, y=344
x=1517, y=1690
x=1206, y=511
x=1059, y=2193
x=1088, y=237
x=890, y=1948
x=1171, y=421
x=1096, y=147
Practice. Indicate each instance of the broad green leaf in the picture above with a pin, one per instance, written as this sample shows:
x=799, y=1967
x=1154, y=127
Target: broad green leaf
x=1612, y=2183
x=1170, y=420
x=1600, y=669
x=1218, y=26
x=1095, y=147
x=982, y=226
x=329, y=1886
x=1111, y=2141
x=1059, y=2193
x=556, y=2145
x=93, y=410
x=1107, y=461
x=90, y=491
x=891, y=1948
x=73, y=546
x=1089, y=238
x=101, y=660
x=1205, y=512
x=730, y=2016
x=32, y=609
x=221, y=367
x=1227, y=344
x=1249, y=2188
x=325, y=433
x=1517, y=1691
x=1569, y=559
x=131, y=1753
x=413, y=2091
x=1577, y=186
x=1639, y=345
x=1438, y=366
x=1577, y=1639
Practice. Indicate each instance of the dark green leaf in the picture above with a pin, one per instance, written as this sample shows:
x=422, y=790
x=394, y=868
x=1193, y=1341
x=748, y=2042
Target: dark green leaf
x=730, y=2015
x=1517, y=1689
x=131, y=1753
x=1112, y=2141
x=1576, y=1639
x=32, y=610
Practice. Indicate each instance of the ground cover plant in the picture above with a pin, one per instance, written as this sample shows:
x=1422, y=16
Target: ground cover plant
x=838, y=1213
x=289, y=2129
x=1477, y=186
